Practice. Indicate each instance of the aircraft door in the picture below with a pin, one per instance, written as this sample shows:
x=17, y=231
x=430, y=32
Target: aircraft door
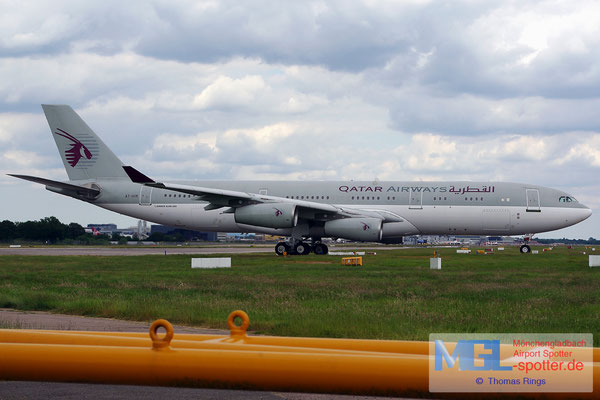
x=415, y=200
x=533, y=200
x=496, y=220
x=145, y=198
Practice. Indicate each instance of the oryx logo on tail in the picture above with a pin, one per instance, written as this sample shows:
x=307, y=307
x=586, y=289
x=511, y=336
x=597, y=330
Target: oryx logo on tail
x=74, y=154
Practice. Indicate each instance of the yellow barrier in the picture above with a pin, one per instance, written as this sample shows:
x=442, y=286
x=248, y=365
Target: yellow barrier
x=228, y=361
x=352, y=261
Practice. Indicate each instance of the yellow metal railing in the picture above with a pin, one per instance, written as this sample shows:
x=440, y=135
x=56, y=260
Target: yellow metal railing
x=227, y=361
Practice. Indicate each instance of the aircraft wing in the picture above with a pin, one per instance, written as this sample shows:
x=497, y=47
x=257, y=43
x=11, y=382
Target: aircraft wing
x=219, y=198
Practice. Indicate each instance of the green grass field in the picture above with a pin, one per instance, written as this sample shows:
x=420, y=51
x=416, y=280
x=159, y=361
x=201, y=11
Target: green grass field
x=393, y=296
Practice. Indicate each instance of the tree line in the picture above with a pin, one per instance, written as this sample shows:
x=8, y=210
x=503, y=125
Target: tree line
x=48, y=229
x=590, y=240
x=51, y=230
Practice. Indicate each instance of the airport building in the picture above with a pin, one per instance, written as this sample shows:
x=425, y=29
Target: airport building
x=188, y=235
x=141, y=230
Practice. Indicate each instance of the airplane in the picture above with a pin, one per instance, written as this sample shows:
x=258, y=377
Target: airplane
x=93, y=231
x=304, y=212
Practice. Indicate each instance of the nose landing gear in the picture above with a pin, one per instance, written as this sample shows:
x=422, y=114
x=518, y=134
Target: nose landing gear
x=525, y=249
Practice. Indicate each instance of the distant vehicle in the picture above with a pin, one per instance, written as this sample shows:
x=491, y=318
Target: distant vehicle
x=304, y=211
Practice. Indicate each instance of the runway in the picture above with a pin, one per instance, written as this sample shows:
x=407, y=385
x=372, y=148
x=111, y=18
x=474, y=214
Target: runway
x=130, y=250
x=161, y=250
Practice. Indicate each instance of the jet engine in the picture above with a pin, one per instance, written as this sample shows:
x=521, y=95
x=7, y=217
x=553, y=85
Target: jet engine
x=393, y=232
x=362, y=229
x=269, y=215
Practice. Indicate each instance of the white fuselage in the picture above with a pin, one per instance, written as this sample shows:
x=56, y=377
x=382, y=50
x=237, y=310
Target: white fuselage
x=432, y=208
x=452, y=220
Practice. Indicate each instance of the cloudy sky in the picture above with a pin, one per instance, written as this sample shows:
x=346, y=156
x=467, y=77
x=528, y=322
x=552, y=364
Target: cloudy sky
x=402, y=90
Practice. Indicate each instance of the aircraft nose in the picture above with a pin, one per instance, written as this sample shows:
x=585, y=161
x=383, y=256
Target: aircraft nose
x=584, y=213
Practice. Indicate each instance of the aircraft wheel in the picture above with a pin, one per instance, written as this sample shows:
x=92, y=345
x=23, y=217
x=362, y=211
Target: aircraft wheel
x=307, y=250
x=320, y=249
x=282, y=247
x=302, y=248
x=525, y=249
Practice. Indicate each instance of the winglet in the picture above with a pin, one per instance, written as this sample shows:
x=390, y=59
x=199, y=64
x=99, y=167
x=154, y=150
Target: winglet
x=136, y=176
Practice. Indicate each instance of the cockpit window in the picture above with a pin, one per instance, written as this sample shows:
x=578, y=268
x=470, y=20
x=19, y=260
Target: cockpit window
x=567, y=199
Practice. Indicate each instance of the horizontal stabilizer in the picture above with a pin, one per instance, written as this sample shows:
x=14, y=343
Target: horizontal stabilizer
x=88, y=192
x=136, y=176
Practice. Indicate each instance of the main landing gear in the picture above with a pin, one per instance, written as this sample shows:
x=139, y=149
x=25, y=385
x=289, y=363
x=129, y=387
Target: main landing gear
x=300, y=248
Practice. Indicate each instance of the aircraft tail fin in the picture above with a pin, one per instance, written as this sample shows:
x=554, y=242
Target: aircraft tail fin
x=84, y=154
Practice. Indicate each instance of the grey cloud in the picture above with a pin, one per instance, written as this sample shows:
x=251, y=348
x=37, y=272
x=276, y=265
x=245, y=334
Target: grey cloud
x=338, y=35
x=172, y=154
x=475, y=115
x=383, y=39
x=460, y=66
